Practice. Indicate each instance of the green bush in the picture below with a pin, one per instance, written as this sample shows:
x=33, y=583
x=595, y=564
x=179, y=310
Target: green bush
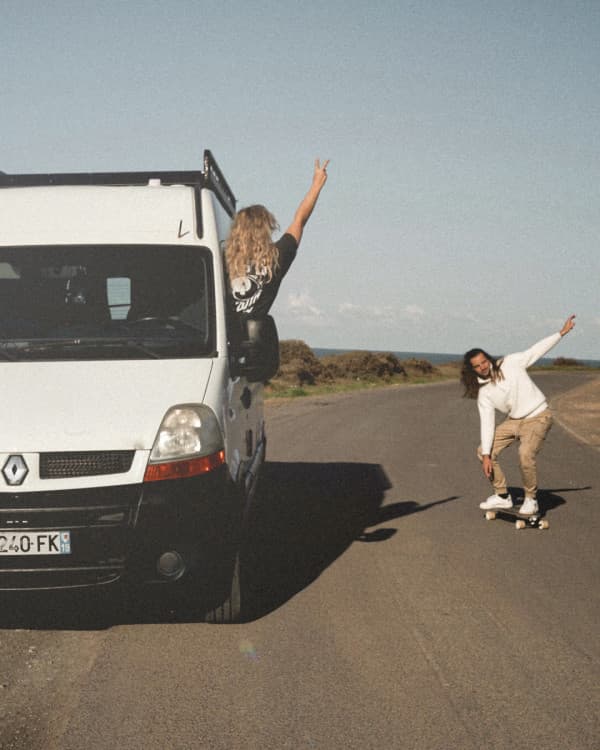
x=415, y=366
x=365, y=365
x=298, y=364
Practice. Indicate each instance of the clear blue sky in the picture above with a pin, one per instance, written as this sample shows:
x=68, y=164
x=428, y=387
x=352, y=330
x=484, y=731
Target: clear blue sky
x=462, y=204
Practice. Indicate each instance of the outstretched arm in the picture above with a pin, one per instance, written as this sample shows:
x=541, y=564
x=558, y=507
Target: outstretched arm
x=543, y=347
x=568, y=326
x=309, y=201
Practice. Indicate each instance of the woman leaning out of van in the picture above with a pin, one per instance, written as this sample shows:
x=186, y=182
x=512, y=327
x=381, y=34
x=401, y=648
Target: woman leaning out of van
x=257, y=265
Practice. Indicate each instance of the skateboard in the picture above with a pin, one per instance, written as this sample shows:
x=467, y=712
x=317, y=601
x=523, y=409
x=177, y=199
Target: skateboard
x=534, y=521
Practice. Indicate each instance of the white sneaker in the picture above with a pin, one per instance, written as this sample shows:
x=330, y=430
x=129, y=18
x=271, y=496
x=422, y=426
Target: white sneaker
x=529, y=507
x=495, y=501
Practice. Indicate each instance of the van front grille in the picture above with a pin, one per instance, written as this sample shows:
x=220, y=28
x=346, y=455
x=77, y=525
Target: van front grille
x=84, y=464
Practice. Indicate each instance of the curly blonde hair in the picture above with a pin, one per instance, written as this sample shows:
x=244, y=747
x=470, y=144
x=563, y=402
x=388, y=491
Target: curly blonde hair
x=249, y=245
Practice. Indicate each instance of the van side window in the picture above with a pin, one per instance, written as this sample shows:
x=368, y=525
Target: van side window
x=118, y=291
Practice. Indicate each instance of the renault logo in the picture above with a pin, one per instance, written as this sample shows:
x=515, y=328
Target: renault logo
x=15, y=470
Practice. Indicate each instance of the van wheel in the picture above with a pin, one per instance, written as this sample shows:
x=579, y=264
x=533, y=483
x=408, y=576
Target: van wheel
x=230, y=610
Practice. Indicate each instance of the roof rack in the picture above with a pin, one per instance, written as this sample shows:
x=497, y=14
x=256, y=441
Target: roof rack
x=211, y=177
x=214, y=179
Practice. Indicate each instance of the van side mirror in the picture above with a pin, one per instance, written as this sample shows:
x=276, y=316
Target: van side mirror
x=258, y=355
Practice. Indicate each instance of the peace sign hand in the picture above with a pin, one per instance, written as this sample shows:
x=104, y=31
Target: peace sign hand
x=320, y=173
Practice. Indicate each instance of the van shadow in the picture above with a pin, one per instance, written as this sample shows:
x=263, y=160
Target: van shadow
x=305, y=516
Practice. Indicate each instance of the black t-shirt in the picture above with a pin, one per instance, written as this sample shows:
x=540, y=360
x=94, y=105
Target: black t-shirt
x=253, y=294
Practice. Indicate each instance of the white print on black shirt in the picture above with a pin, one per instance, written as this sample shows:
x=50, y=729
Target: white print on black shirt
x=255, y=292
x=247, y=290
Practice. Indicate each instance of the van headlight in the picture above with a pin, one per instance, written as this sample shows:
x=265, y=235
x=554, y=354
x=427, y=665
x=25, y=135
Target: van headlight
x=185, y=432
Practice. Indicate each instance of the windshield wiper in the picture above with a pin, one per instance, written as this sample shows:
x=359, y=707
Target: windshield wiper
x=41, y=345
x=156, y=321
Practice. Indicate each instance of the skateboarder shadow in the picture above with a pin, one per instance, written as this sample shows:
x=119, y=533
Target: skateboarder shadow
x=548, y=499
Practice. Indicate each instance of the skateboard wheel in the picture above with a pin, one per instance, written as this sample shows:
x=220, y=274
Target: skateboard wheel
x=520, y=524
x=544, y=524
x=490, y=515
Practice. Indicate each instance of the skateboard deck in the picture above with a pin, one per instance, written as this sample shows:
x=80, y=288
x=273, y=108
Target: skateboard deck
x=535, y=520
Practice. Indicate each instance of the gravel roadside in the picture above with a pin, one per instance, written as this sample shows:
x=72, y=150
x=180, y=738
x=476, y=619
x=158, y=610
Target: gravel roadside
x=578, y=412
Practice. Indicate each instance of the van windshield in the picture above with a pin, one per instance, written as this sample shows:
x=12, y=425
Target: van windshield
x=105, y=302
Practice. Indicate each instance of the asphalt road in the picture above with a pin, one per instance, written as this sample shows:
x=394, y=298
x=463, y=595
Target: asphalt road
x=387, y=613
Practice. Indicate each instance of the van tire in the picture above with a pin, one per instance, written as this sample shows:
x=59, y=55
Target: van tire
x=230, y=610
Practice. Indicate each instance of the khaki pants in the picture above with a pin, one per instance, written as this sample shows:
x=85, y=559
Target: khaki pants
x=531, y=434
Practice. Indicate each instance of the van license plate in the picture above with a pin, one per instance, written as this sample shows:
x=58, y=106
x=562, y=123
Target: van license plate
x=35, y=543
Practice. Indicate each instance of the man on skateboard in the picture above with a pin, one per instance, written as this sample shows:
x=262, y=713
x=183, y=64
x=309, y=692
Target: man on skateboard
x=505, y=385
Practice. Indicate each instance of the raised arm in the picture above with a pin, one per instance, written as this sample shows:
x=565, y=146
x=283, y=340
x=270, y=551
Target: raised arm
x=309, y=201
x=568, y=326
x=542, y=347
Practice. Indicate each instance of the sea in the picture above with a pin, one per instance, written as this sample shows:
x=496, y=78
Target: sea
x=437, y=358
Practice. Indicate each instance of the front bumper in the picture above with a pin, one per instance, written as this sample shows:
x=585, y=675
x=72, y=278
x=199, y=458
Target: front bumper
x=119, y=533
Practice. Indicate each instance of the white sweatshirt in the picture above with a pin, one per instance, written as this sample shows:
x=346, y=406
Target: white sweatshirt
x=516, y=395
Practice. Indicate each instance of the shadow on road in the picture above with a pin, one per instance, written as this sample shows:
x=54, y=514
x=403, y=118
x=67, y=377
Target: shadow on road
x=397, y=510
x=548, y=499
x=304, y=516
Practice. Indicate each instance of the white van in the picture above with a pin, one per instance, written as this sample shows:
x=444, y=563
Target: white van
x=131, y=416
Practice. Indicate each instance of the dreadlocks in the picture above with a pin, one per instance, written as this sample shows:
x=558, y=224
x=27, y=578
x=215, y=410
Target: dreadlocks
x=470, y=379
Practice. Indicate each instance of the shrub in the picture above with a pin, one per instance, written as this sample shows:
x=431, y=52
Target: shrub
x=416, y=366
x=298, y=364
x=367, y=365
x=565, y=362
